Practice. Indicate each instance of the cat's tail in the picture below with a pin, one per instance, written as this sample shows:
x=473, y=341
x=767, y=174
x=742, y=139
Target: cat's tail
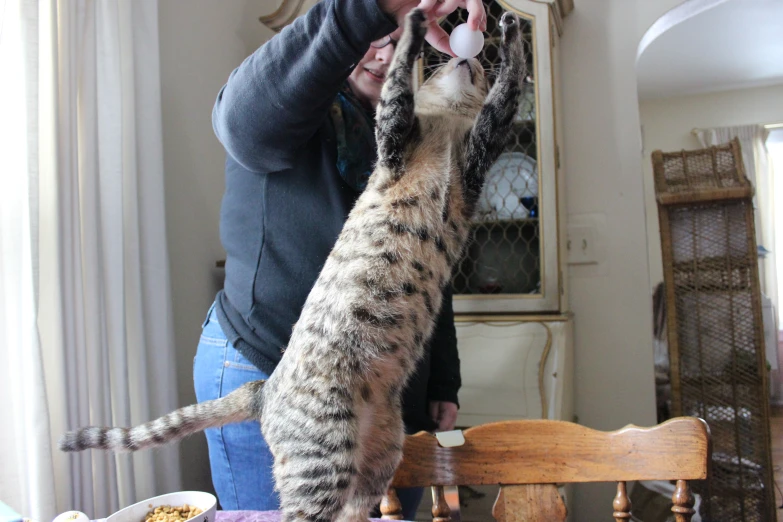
x=242, y=404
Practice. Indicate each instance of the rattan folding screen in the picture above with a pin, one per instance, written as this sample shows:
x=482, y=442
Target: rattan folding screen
x=715, y=331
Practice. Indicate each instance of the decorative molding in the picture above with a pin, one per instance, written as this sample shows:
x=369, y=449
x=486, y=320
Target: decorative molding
x=290, y=9
x=559, y=9
x=566, y=6
x=284, y=15
x=512, y=319
x=541, y=369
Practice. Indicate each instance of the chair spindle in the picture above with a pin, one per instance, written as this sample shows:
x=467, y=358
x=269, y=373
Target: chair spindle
x=391, y=509
x=441, y=512
x=621, y=504
x=682, y=501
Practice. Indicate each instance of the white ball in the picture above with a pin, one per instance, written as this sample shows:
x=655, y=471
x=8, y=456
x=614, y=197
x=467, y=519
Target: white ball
x=465, y=42
x=71, y=516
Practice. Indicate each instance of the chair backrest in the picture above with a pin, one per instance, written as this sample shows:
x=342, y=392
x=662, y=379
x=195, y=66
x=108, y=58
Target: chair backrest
x=528, y=458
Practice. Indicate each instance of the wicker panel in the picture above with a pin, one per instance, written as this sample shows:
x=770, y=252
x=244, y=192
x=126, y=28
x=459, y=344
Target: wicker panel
x=700, y=170
x=504, y=251
x=716, y=346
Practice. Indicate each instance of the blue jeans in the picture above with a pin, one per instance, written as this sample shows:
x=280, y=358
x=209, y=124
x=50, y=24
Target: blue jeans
x=239, y=457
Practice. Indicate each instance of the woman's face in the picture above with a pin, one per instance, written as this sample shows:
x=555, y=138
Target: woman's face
x=367, y=78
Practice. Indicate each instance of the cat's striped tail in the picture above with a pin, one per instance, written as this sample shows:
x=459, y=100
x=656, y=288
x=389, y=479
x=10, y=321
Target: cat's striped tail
x=242, y=404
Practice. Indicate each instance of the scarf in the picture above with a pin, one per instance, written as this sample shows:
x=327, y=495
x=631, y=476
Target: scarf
x=355, y=130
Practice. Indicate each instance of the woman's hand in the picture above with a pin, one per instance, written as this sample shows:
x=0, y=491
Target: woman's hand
x=444, y=414
x=436, y=9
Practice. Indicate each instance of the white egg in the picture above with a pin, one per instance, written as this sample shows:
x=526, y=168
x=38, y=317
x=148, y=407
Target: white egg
x=465, y=42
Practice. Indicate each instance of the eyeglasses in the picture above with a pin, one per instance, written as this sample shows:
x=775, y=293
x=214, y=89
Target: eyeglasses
x=383, y=42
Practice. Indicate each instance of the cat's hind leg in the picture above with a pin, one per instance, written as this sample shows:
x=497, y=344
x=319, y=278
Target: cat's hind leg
x=313, y=485
x=381, y=453
x=313, y=439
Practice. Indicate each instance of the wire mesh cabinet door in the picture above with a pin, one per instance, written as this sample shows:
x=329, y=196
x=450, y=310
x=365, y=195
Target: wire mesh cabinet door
x=511, y=263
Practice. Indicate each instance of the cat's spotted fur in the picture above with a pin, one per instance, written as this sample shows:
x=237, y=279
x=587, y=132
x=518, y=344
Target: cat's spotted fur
x=331, y=410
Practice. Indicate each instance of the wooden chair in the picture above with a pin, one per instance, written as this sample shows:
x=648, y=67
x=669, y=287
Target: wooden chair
x=528, y=458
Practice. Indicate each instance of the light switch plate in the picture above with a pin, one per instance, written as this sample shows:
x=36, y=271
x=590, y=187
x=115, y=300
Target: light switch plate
x=582, y=245
x=592, y=261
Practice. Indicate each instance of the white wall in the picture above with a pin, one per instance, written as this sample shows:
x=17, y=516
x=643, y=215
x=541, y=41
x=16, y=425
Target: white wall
x=201, y=42
x=667, y=125
x=602, y=157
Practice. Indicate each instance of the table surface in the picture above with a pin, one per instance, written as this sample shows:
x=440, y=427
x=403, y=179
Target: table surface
x=251, y=516
x=247, y=516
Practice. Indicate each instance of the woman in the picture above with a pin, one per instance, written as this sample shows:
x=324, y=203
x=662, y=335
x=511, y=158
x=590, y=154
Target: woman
x=296, y=120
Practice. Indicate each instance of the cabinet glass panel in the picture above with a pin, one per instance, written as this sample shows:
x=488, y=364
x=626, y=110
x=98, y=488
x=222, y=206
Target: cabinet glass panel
x=503, y=256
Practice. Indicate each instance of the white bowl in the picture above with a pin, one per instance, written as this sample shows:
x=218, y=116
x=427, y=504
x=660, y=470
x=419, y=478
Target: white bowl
x=138, y=512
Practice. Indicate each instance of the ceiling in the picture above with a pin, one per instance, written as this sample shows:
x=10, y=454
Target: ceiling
x=734, y=45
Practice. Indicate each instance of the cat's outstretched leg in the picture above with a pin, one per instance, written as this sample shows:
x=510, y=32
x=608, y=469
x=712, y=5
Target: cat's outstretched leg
x=492, y=128
x=394, y=116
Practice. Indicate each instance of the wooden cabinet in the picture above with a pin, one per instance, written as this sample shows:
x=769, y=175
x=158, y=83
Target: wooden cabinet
x=510, y=295
x=515, y=368
x=513, y=263
x=513, y=325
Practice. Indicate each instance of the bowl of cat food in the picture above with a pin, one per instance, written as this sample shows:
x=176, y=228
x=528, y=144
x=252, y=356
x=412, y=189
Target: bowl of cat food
x=194, y=506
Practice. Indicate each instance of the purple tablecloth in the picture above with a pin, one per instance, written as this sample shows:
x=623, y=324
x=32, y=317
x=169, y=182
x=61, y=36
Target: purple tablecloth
x=250, y=516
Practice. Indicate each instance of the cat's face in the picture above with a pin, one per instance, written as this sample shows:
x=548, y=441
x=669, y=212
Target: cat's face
x=458, y=85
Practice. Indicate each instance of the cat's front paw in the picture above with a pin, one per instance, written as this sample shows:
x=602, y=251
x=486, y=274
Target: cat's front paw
x=412, y=39
x=416, y=23
x=509, y=25
x=511, y=44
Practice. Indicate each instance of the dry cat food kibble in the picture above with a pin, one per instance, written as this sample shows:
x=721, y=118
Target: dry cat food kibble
x=172, y=513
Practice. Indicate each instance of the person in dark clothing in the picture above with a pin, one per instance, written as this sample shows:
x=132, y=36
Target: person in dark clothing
x=297, y=121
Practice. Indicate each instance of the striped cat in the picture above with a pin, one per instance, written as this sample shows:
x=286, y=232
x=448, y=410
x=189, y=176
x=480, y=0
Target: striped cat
x=331, y=409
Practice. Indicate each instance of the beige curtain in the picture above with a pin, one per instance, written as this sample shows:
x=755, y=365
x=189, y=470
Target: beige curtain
x=86, y=330
x=759, y=170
